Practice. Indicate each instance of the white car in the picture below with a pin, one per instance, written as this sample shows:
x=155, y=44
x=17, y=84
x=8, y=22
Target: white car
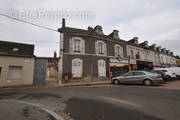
x=171, y=75
x=176, y=70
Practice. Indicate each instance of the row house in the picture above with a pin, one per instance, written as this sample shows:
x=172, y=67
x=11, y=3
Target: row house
x=90, y=54
x=140, y=56
x=143, y=56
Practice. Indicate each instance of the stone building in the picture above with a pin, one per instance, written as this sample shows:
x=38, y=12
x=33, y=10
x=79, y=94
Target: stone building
x=90, y=55
x=139, y=54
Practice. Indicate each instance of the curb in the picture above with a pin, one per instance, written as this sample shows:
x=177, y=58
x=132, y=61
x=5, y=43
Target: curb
x=52, y=113
x=85, y=84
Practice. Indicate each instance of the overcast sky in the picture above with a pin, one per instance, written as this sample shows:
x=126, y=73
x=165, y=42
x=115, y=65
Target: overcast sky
x=157, y=21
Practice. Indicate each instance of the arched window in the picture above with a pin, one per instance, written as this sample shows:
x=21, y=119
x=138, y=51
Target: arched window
x=101, y=68
x=77, y=70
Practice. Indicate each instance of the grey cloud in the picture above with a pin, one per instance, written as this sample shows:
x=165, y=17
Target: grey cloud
x=150, y=20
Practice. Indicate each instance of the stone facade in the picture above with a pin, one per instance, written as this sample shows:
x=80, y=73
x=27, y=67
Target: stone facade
x=90, y=55
x=85, y=54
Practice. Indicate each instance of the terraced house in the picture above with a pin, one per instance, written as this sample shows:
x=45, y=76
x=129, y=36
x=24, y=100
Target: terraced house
x=90, y=55
x=144, y=57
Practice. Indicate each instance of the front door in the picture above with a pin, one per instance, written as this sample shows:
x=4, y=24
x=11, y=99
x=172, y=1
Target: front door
x=101, y=68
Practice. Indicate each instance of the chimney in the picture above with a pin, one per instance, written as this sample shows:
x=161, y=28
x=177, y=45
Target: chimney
x=90, y=28
x=63, y=22
x=55, y=57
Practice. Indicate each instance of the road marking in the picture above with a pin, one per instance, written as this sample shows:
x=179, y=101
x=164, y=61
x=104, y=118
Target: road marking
x=120, y=101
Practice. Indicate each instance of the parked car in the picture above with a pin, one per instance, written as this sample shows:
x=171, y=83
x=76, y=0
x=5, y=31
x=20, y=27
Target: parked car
x=171, y=75
x=176, y=70
x=139, y=77
x=163, y=74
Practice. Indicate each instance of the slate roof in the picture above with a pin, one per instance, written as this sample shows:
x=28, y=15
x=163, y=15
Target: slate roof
x=16, y=49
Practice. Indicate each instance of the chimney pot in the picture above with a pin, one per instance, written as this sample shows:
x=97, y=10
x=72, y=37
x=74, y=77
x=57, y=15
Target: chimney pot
x=63, y=22
x=90, y=28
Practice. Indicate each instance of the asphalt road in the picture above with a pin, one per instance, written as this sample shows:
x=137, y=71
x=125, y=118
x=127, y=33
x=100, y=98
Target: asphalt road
x=121, y=102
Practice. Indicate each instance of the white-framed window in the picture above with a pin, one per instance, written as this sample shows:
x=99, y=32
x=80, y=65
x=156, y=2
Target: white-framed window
x=137, y=55
x=142, y=56
x=15, y=72
x=100, y=48
x=118, y=50
x=77, y=68
x=101, y=68
x=77, y=45
x=156, y=58
x=132, y=54
x=162, y=59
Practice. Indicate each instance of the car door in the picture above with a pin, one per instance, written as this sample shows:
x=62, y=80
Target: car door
x=127, y=78
x=138, y=77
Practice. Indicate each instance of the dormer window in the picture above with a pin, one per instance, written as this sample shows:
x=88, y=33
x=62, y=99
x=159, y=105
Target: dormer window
x=98, y=29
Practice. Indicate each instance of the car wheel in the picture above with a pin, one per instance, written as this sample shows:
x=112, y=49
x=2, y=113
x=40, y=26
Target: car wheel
x=116, y=82
x=147, y=82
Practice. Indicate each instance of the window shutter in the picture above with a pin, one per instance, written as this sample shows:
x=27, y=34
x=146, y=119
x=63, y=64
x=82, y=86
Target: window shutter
x=104, y=49
x=96, y=47
x=82, y=46
x=71, y=46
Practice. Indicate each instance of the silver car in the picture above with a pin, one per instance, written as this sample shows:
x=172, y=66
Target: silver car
x=138, y=77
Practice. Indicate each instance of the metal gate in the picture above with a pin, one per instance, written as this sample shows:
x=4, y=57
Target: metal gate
x=40, y=71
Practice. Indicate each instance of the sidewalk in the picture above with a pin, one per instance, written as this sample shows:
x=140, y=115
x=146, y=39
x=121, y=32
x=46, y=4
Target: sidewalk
x=56, y=85
x=87, y=83
x=20, y=110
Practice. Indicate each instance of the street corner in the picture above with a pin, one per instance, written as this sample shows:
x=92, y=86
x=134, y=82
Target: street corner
x=15, y=109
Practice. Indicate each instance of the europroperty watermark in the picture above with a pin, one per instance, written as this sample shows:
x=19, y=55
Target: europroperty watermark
x=50, y=14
